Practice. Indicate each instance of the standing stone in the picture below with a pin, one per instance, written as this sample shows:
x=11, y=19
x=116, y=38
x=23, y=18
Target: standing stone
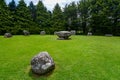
x=73, y=32
x=26, y=33
x=42, y=63
x=7, y=35
x=42, y=33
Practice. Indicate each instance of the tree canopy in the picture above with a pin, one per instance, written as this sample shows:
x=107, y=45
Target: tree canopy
x=97, y=16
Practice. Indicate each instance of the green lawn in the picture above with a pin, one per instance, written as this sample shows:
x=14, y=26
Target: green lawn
x=81, y=58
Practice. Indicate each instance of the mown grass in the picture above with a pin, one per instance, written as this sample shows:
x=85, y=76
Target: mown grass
x=81, y=58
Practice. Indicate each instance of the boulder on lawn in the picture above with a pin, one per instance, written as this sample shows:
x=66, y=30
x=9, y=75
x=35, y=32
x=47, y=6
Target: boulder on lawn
x=42, y=33
x=63, y=35
x=26, y=33
x=42, y=63
x=7, y=35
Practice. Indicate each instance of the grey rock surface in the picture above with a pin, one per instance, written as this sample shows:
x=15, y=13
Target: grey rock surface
x=26, y=33
x=73, y=32
x=109, y=35
x=63, y=35
x=7, y=35
x=89, y=34
x=55, y=32
x=42, y=63
x=42, y=33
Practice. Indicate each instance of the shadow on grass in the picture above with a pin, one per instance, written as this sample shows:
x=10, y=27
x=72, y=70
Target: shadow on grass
x=37, y=76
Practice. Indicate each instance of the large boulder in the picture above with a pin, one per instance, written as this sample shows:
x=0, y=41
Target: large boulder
x=63, y=35
x=26, y=33
x=7, y=35
x=42, y=33
x=42, y=63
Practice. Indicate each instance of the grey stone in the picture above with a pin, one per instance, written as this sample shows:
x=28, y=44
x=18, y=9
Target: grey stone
x=42, y=63
x=26, y=33
x=63, y=35
x=7, y=35
x=89, y=34
x=42, y=33
x=108, y=35
x=73, y=32
x=55, y=32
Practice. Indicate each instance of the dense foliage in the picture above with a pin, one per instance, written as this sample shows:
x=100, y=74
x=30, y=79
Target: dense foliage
x=97, y=16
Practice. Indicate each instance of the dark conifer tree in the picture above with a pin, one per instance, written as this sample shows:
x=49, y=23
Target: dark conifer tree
x=32, y=8
x=70, y=14
x=23, y=17
x=41, y=13
x=5, y=18
x=57, y=18
x=12, y=5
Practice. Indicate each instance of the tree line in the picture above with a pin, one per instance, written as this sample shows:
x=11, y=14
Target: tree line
x=97, y=16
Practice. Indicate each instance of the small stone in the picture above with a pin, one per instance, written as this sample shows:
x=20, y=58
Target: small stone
x=73, y=32
x=89, y=34
x=55, y=32
x=42, y=33
x=109, y=35
x=42, y=63
x=26, y=33
x=7, y=35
